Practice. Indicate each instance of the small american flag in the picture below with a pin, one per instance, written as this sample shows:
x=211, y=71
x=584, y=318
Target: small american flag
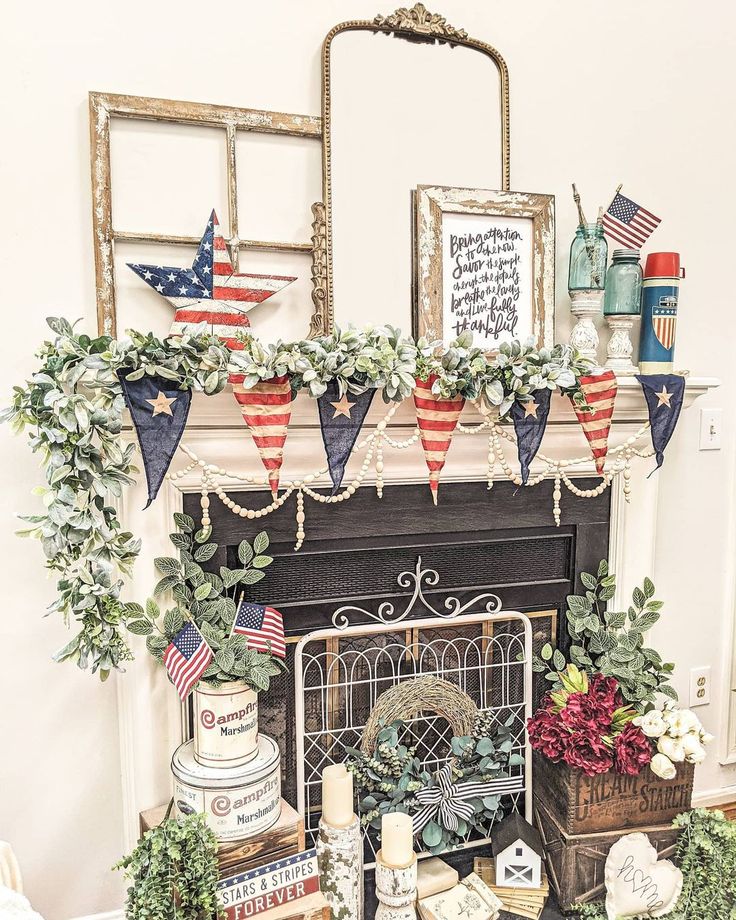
x=263, y=626
x=187, y=658
x=629, y=223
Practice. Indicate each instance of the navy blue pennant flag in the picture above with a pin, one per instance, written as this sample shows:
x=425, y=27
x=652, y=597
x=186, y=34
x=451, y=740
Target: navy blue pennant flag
x=530, y=420
x=341, y=419
x=159, y=411
x=664, y=394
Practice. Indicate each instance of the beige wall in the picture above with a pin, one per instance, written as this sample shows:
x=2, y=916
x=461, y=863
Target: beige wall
x=602, y=93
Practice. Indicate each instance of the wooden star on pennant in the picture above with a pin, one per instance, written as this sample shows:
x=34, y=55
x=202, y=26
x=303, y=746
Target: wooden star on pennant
x=663, y=397
x=342, y=407
x=162, y=404
x=530, y=408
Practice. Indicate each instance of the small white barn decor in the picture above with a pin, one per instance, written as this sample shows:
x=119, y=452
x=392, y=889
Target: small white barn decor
x=517, y=849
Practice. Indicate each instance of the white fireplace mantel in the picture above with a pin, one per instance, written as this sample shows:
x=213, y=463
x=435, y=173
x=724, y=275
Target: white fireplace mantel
x=150, y=720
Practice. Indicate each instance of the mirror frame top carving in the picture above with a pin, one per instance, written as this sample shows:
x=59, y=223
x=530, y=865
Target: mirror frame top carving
x=417, y=25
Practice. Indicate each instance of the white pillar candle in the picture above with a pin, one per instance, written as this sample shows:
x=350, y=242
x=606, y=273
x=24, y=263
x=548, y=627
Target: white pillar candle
x=337, y=796
x=397, y=840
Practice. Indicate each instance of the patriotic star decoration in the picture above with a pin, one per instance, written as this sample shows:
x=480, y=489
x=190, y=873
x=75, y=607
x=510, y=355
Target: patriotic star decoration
x=342, y=407
x=530, y=408
x=663, y=397
x=211, y=291
x=162, y=404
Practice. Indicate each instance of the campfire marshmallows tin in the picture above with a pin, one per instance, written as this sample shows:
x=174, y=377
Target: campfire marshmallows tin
x=225, y=724
x=660, y=292
x=239, y=802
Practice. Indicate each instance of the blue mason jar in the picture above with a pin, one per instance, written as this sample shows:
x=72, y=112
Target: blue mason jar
x=588, y=257
x=623, y=284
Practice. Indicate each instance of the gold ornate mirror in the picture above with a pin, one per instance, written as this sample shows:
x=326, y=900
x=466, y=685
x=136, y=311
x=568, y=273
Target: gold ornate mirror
x=407, y=100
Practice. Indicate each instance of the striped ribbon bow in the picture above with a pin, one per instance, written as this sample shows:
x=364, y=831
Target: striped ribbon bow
x=450, y=801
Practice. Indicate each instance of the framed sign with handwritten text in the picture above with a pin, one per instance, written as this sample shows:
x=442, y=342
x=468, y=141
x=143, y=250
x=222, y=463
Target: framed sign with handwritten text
x=484, y=261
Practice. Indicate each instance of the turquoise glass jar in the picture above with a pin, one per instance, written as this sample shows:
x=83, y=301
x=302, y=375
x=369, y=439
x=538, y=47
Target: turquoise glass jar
x=588, y=258
x=623, y=284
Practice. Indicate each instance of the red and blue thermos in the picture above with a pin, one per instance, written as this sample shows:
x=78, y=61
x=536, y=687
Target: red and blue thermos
x=660, y=293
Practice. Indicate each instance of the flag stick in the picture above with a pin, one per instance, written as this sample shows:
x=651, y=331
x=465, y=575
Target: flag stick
x=620, y=186
x=237, y=606
x=576, y=199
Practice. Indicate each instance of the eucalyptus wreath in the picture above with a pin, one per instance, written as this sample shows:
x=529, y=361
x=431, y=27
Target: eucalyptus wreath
x=389, y=779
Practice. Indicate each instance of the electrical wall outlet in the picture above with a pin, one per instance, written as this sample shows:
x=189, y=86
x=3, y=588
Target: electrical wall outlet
x=711, y=422
x=699, y=686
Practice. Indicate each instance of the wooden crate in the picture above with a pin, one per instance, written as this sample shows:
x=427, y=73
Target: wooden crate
x=610, y=801
x=285, y=838
x=576, y=862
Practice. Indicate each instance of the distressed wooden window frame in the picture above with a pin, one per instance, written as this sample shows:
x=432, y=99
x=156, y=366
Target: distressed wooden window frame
x=103, y=107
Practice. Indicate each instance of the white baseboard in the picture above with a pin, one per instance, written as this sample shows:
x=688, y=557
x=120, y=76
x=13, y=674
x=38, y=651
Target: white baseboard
x=714, y=797
x=108, y=915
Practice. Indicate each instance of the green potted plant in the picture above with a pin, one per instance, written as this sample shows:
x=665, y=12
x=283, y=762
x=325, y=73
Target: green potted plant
x=226, y=697
x=173, y=872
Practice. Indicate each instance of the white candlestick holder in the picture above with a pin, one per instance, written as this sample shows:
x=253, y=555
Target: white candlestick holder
x=586, y=305
x=340, y=861
x=396, y=890
x=620, y=348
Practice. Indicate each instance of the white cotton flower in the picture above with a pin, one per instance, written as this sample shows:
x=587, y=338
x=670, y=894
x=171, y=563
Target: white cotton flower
x=671, y=747
x=680, y=721
x=652, y=723
x=694, y=750
x=706, y=737
x=663, y=766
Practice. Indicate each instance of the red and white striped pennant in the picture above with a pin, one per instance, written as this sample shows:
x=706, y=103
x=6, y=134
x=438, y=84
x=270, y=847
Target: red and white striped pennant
x=599, y=391
x=266, y=409
x=437, y=418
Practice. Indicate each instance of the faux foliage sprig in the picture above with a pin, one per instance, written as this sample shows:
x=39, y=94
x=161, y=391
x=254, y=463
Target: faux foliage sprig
x=207, y=599
x=612, y=642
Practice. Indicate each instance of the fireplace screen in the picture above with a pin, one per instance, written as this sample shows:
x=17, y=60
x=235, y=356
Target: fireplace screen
x=340, y=673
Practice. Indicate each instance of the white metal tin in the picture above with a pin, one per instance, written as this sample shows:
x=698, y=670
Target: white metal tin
x=225, y=724
x=239, y=802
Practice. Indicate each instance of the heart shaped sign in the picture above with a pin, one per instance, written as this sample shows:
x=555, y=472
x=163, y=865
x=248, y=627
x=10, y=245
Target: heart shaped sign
x=637, y=883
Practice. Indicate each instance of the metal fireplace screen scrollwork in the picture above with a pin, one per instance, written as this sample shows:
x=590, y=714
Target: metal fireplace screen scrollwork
x=340, y=673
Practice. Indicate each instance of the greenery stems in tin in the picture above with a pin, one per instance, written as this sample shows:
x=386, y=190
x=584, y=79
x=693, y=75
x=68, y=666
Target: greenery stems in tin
x=209, y=600
x=174, y=873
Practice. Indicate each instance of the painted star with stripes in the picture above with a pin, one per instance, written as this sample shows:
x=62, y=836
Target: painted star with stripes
x=211, y=291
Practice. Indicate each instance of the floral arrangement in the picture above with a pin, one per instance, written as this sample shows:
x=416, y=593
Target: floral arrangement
x=678, y=735
x=600, y=714
x=207, y=599
x=73, y=408
x=389, y=779
x=587, y=725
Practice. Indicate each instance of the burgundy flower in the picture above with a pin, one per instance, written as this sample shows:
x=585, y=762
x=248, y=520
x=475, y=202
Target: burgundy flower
x=547, y=734
x=588, y=753
x=586, y=713
x=605, y=689
x=633, y=750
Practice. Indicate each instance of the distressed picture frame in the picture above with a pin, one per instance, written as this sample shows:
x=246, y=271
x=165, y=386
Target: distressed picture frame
x=484, y=260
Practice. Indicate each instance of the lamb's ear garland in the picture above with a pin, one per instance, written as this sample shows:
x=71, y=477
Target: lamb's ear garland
x=530, y=421
x=159, y=411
